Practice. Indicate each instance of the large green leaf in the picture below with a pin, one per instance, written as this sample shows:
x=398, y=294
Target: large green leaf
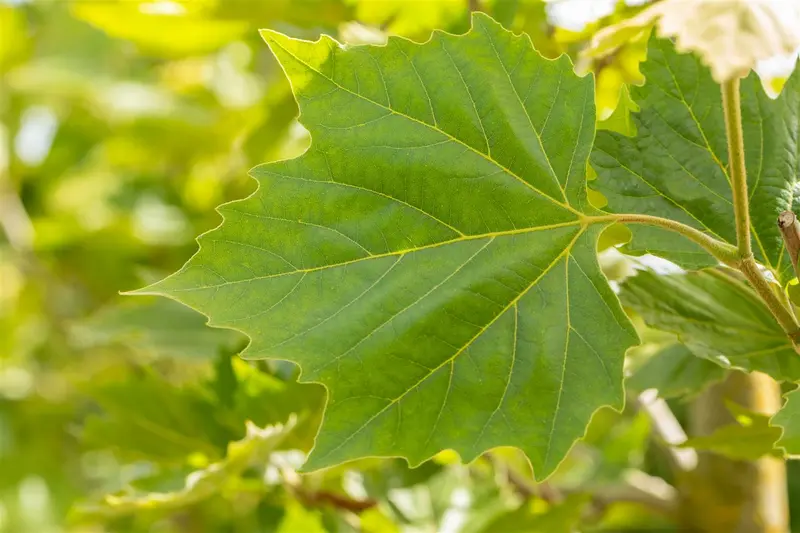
x=676, y=166
x=429, y=258
x=716, y=317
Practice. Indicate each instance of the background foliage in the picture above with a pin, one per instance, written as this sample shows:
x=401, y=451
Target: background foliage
x=122, y=125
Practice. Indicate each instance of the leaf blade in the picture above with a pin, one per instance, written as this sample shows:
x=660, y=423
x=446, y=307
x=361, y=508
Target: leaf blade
x=435, y=226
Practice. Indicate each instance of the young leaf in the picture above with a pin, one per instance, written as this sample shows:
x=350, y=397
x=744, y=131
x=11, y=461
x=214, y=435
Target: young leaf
x=428, y=259
x=676, y=166
x=716, y=317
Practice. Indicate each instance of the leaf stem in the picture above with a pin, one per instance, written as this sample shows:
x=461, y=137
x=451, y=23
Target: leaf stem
x=722, y=251
x=785, y=318
x=731, y=104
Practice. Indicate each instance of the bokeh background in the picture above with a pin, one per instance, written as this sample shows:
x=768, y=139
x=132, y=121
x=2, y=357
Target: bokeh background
x=123, y=123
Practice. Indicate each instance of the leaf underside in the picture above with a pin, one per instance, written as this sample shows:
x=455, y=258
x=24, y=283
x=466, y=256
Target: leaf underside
x=676, y=165
x=427, y=259
x=716, y=317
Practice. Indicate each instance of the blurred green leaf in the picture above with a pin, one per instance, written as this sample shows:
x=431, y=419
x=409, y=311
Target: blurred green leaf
x=157, y=326
x=675, y=371
x=537, y=517
x=676, y=166
x=747, y=439
x=254, y=449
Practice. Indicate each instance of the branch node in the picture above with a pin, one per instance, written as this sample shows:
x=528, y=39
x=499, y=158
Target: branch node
x=790, y=231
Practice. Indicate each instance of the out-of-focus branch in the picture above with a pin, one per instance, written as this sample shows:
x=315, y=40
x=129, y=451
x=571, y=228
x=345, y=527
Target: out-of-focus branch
x=321, y=498
x=668, y=429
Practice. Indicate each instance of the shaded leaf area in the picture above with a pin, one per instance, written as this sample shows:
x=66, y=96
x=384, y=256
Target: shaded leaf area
x=676, y=166
x=253, y=450
x=156, y=326
x=151, y=418
x=675, y=371
x=788, y=420
x=750, y=437
x=427, y=258
x=716, y=317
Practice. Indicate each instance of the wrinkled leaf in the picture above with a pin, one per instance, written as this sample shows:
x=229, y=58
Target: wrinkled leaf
x=675, y=371
x=676, y=166
x=716, y=317
x=427, y=258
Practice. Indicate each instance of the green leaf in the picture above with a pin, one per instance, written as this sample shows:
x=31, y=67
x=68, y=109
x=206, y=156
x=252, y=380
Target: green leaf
x=156, y=326
x=788, y=419
x=675, y=371
x=747, y=439
x=253, y=449
x=676, y=166
x=180, y=29
x=428, y=259
x=149, y=417
x=620, y=119
x=716, y=317
x=531, y=518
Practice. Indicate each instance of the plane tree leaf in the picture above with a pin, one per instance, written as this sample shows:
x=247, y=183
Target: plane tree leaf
x=431, y=259
x=788, y=419
x=716, y=317
x=676, y=165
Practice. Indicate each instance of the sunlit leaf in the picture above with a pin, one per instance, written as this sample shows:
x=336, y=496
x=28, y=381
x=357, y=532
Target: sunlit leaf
x=730, y=37
x=557, y=518
x=405, y=259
